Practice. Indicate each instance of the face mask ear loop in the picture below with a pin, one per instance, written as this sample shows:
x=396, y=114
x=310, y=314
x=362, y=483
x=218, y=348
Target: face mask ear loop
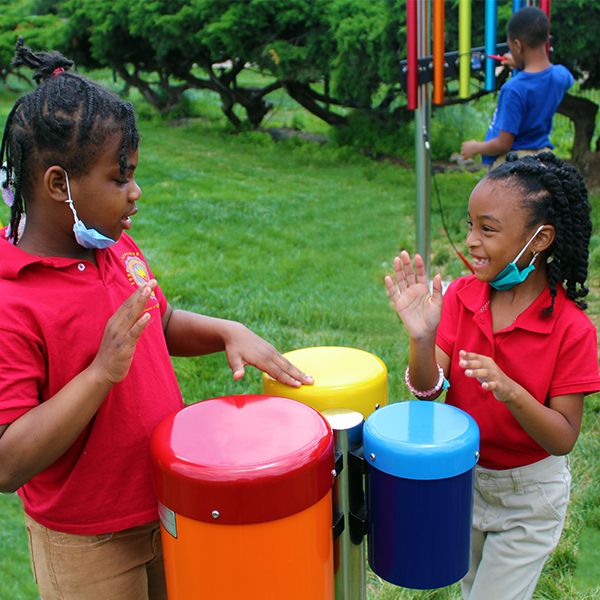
x=535, y=254
x=69, y=200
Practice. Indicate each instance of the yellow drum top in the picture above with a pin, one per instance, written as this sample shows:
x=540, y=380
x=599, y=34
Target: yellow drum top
x=344, y=378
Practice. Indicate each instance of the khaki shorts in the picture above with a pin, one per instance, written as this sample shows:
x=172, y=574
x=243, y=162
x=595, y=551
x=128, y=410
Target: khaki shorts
x=126, y=565
x=520, y=154
x=518, y=516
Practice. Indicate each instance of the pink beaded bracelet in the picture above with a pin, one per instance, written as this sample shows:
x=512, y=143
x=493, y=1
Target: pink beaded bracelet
x=442, y=384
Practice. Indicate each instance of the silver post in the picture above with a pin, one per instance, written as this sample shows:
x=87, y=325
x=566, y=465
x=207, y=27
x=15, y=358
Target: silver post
x=350, y=558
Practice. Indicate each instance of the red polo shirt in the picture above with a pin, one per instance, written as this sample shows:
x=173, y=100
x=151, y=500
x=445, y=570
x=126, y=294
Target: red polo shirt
x=549, y=357
x=54, y=311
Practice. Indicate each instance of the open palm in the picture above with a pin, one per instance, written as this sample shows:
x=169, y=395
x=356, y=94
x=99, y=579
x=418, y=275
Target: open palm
x=419, y=309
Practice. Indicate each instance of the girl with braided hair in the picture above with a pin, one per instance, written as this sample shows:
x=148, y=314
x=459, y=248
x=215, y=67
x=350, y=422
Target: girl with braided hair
x=86, y=333
x=515, y=349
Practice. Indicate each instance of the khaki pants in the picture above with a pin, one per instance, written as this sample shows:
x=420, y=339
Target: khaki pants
x=518, y=516
x=520, y=154
x=126, y=565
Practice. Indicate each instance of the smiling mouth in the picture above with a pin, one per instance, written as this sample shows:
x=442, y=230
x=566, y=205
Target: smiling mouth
x=479, y=263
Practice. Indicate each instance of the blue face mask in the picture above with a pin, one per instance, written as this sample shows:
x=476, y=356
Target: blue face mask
x=510, y=275
x=86, y=237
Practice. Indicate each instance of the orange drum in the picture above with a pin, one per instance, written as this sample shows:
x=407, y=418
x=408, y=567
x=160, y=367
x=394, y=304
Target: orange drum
x=244, y=488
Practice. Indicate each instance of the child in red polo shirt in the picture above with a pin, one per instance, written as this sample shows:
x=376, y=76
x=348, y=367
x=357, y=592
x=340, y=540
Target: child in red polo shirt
x=519, y=354
x=86, y=334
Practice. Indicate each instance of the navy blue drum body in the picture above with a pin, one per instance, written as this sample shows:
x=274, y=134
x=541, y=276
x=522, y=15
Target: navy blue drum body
x=420, y=457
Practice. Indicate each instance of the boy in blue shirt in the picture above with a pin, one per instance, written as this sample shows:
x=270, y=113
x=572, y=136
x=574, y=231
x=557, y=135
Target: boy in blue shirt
x=528, y=100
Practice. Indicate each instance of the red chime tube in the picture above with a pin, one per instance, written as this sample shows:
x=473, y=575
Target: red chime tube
x=412, y=59
x=438, y=51
x=546, y=6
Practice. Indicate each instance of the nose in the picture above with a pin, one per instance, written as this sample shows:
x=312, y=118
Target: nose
x=472, y=239
x=135, y=191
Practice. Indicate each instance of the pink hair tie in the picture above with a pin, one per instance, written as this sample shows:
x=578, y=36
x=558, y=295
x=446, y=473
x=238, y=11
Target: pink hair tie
x=57, y=71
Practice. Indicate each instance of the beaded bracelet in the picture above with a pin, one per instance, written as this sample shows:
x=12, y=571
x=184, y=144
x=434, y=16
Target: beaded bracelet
x=442, y=384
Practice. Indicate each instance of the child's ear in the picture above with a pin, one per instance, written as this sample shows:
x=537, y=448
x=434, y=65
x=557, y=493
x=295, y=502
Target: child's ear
x=544, y=239
x=55, y=183
x=518, y=45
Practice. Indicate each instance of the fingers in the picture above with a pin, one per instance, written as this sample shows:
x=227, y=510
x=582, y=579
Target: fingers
x=272, y=363
x=294, y=373
x=472, y=363
x=237, y=367
x=129, y=312
x=436, y=289
x=282, y=370
x=405, y=274
x=392, y=289
x=138, y=327
x=479, y=367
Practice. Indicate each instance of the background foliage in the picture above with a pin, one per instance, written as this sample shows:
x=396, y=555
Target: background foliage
x=338, y=59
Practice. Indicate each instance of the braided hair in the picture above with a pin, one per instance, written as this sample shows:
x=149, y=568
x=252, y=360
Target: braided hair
x=66, y=121
x=554, y=193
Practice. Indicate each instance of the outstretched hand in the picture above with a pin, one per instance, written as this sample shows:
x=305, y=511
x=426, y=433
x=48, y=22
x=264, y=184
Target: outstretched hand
x=418, y=308
x=489, y=375
x=243, y=347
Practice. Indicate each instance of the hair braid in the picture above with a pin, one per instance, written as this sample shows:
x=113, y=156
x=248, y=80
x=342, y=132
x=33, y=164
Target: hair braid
x=554, y=193
x=65, y=121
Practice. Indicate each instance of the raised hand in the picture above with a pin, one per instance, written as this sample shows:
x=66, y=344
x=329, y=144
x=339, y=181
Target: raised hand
x=121, y=334
x=419, y=310
x=243, y=347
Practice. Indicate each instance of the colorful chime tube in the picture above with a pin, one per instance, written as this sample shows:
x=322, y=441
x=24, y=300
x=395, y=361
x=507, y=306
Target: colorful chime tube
x=464, y=47
x=412, y=59
x=546, y=6
x=491, y=22
x=439, y=61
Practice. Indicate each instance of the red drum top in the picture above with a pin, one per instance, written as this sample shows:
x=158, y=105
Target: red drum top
x=242, y=459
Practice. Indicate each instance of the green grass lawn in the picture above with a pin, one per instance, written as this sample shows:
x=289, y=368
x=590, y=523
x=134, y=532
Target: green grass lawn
x=293, y=239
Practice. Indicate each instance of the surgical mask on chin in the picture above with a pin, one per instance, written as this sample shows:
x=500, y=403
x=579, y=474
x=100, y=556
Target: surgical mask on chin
x=510, y=275
x=86, y=236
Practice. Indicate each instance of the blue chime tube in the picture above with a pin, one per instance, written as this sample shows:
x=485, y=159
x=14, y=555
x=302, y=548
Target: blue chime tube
x=491, y=22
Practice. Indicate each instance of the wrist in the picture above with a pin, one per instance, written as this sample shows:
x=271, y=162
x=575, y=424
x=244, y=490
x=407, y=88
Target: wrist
x=230, y=330
x=442, y=384
x=97, y=377
x=512, y=398
x=423, y=340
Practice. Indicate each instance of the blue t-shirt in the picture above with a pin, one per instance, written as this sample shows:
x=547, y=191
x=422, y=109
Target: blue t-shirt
x=526, y=105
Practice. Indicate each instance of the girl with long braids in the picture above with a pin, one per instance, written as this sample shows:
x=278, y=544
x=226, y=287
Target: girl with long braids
x=514, y=348
x=86, y=334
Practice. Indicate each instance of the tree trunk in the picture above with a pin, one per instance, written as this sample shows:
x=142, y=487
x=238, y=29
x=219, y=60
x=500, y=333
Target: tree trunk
x=301, y=93
x=583, y=114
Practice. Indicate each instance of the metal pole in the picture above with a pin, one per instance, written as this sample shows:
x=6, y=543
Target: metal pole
x=422, y=118
x=350, y=577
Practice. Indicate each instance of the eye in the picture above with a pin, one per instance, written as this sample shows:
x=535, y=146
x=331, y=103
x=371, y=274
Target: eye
x=469, y=224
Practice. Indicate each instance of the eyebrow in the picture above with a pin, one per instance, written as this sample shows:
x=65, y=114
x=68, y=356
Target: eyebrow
x=488, y=217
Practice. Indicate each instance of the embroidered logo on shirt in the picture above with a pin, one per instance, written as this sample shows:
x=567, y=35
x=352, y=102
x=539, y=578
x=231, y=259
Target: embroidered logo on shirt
x=137, y=273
